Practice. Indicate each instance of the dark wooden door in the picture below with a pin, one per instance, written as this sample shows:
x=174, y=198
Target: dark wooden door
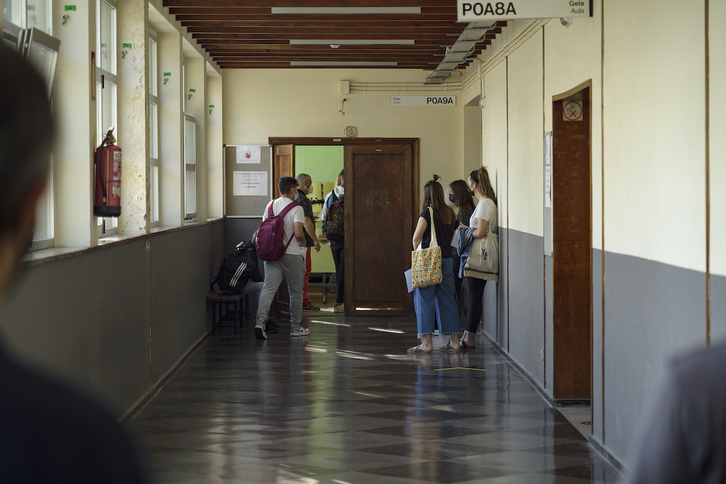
x=379, y=215
x=572, y=246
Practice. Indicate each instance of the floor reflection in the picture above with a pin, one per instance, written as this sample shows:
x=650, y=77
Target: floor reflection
x=348, y=405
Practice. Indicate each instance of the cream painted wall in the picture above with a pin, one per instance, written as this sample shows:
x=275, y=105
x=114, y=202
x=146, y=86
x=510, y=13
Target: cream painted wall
x=525, y=122
x=494, y=134
x=717, y=64
x=654, y=131
x=572, y=57
x=306, y=103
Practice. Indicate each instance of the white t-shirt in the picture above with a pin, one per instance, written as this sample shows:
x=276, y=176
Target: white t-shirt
x=487, y=210
x=295, y=214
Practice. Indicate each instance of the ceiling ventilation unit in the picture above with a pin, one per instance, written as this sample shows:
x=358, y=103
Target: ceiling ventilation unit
x=457, y=54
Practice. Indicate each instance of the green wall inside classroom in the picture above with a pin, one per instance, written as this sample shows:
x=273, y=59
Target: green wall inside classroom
x=322, y=163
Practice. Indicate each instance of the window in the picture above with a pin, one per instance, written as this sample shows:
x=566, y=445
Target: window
x=190, y=167
x=30, y=13
x=153, y=133
x=106, y=87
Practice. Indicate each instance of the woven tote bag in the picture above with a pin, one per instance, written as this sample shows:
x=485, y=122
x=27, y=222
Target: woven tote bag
x=426, y=263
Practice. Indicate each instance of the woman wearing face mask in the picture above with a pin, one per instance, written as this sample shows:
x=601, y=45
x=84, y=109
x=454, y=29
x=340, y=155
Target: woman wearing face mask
x=437, y=302
x=459, y=196
x=483, y=221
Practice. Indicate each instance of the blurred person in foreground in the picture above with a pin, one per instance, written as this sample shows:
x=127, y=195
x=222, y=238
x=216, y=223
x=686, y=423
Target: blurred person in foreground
x=48, y=432
x=682, y=437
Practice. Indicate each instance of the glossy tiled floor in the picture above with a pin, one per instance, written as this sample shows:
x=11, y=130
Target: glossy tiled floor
x=348, y=405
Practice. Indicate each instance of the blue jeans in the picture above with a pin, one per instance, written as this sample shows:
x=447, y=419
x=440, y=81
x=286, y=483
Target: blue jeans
x=438, y=301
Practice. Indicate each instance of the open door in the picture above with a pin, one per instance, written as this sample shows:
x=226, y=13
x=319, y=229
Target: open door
x=379, y=217
x=572, y=245
x=283, y=165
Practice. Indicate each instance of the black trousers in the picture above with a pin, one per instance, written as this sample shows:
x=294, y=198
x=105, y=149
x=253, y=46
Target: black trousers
x=476, y=305
x=338, y=250
x=457, y=280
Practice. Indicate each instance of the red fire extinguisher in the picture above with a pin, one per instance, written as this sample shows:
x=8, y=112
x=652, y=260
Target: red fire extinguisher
x=107, y=164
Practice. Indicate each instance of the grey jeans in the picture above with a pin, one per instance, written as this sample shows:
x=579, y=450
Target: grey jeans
x=292, y=269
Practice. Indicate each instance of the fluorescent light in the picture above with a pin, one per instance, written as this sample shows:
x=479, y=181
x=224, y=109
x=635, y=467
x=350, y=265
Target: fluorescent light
x=346, y=10
x=352, y=42
x=341, y=63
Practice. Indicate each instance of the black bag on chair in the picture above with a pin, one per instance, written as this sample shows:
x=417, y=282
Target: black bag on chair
x=236, y=269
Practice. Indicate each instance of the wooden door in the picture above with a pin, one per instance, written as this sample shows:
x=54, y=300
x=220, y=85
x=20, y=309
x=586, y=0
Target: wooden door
x=283, y=165
x=379, y=216
x=572, y=246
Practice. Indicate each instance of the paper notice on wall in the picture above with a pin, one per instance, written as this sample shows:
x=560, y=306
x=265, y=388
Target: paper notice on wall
x=548, y=186
x=248, y=154
x=249, y=183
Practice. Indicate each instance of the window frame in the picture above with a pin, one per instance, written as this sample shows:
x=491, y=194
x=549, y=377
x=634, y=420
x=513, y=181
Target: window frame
x=107, y=226
x=190, y=166
x=154, y=145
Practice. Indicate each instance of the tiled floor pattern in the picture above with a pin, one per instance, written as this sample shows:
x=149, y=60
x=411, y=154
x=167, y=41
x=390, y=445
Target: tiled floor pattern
x=348, y=405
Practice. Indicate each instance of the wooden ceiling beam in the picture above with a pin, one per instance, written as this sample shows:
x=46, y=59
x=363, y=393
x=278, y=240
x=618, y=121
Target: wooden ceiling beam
x=439, y=25
x=308, y=3
x=419, y=36
x=206, y=9
x=349, y=32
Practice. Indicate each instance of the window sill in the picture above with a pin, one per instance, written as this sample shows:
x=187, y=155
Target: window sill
x=43, y=256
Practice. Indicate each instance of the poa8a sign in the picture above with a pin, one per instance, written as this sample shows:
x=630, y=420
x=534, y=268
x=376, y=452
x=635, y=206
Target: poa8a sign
x=423, y=100
x=483, y=11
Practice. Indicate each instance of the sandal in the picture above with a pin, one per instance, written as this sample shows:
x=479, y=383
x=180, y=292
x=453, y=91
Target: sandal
x=465, y=346
x=447, y=348
x=418, y=349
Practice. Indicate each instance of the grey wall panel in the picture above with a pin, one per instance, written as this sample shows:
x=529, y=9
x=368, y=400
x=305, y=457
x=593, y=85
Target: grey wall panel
x=718, y=307
x=182, y=271
x=526, y=302
x=549, y=325
x=652, y=310
x=495, y=299
x=597, y=343
x=238, y=229
x=88, y=318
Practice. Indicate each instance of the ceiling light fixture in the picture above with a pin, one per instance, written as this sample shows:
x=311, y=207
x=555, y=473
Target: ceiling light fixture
x=352, y=42
x=334, y=46
x=341, y=63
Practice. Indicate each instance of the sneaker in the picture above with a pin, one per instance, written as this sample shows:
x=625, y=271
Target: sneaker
x=260, y=332
x=339, y=308
x=309, y=307
x=299, y=331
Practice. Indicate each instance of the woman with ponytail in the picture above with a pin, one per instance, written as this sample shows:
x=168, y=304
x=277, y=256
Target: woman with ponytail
x=437, y=302
x=484, y=220
x=460, y=196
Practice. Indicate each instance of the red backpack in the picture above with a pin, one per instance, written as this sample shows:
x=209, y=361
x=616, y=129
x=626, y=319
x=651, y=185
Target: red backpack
x=270, y=241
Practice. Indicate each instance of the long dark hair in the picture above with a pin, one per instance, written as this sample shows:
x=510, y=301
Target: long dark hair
x=481, y=178
x=434, y=198
x=461, y=194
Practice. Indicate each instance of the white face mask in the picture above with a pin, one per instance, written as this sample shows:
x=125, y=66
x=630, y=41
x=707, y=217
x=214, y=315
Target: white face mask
x=311, y=190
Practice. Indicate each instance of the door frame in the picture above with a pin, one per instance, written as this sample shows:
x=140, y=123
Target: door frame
x=414, y=143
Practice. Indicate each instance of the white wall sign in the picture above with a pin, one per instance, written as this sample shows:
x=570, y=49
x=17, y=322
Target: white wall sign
x=423, y=100
x=481, y=11
x=248, y=154
x=246, y=183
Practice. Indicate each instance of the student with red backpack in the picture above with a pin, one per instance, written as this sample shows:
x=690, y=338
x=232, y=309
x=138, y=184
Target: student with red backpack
x=282, y=222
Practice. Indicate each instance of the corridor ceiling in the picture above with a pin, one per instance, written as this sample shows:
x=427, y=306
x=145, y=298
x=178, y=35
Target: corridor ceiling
x=255, y=34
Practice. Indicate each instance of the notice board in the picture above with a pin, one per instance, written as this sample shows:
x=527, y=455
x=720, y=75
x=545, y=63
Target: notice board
x=248, y=180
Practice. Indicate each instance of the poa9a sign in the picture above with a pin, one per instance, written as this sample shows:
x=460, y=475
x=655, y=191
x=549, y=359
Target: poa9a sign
x=483, y=11
x=423, y=100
